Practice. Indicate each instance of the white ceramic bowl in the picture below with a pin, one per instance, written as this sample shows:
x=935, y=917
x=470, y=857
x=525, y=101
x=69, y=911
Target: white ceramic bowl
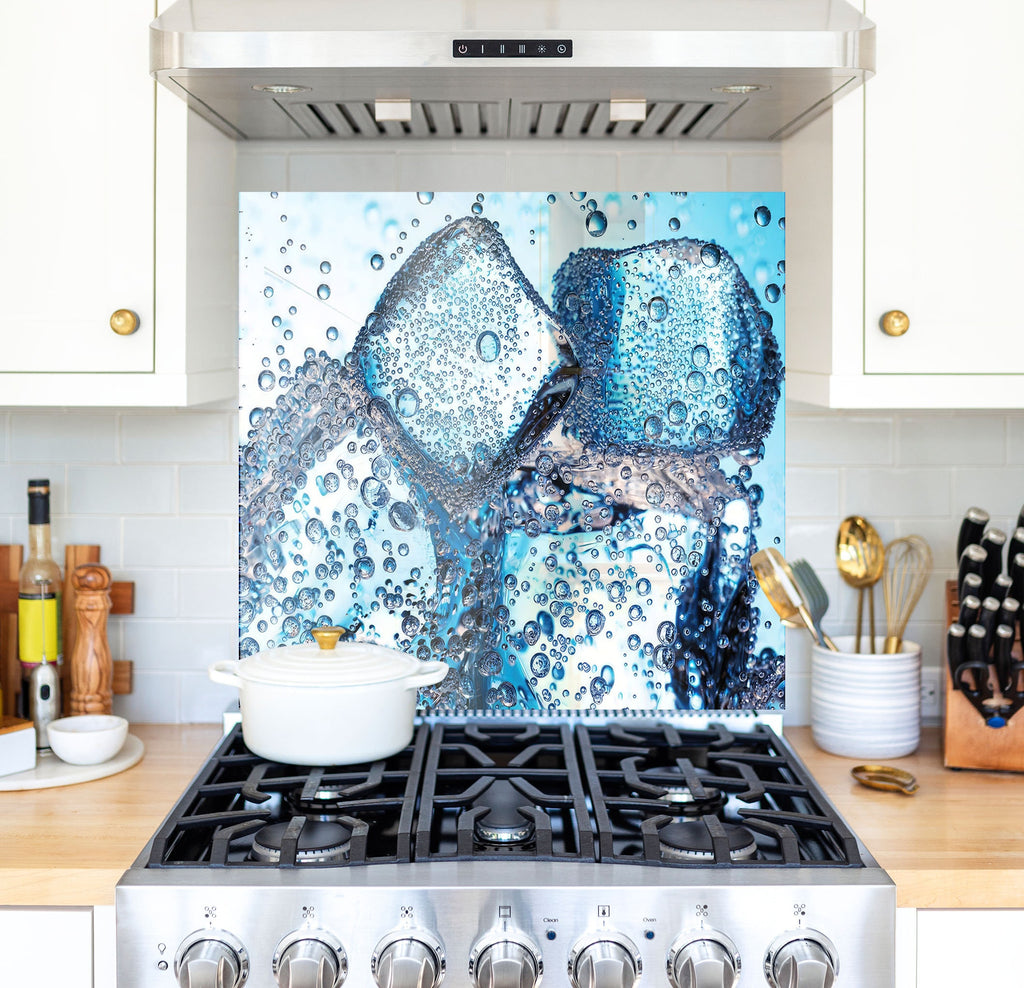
x=88, y=739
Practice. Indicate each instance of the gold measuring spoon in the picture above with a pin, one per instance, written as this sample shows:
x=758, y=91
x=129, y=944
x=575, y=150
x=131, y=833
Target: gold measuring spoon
x=776, y=580
x=885, y=777
x=860, y=558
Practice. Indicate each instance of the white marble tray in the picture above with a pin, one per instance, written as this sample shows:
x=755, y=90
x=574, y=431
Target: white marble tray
x=50, y=771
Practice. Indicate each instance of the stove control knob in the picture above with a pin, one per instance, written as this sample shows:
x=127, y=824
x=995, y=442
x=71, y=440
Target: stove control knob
x=211, y=959
x=607, y=960
x=505, y=961
x=703, y=960
x=801, y=959
x=408, y=959
x=310, y=959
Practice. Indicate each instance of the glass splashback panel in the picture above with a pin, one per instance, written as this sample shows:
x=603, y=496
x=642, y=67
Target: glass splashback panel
x=538, y=435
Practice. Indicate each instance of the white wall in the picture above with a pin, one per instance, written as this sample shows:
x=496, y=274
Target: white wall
x=157, y=490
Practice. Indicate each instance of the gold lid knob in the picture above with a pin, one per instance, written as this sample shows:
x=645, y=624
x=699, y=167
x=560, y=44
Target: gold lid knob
x=124, y=322
x=328, y=637
x=895, y=323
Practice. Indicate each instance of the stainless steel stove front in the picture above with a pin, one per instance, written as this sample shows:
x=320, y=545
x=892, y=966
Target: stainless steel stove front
x=506, y=924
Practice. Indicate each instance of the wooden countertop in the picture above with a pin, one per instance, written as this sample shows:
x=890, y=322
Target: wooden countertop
x=959, y=842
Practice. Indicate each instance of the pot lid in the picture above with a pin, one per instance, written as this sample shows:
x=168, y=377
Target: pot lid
x=348, y=664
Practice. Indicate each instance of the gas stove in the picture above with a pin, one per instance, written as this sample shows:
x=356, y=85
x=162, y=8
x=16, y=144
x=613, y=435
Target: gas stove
x=502, y=850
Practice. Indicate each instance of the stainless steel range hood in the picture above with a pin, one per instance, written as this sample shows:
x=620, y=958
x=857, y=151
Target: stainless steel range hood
x=495, y=69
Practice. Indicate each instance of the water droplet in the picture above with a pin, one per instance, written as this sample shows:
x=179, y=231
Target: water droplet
x=488, y=346
x=266, y=380
x=700, y=356
x=762, y=216
x=578, y=196
x=489, y=664
x=268, y=291
x=425, y=198
x=323, y=292
x=658, y=308
x=595, y=622
x=540, y=664
x=402, y=516
x=772, y=292
x=551, y=198
x=315, y=530
x=653, y=427
x=655, y=493
x=363, y=568
x=673, y=224
x=676, y=413
x=377, y=262
x=332, y=333
x=477, y=208
x=710, y=255
x=630, y=224
x=597, y=223
x=695, y=382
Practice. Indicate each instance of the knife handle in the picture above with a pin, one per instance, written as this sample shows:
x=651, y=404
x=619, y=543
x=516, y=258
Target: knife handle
x=971, y=528
x=988, y=618
x=977, y=644
x=1016, y=545
x=1009, y=612
x=1017, y=576
x=1004, y=643
x=955, y=649
x=993, y=542
x=972, y=560
x=1001, y=586
x=970, y=608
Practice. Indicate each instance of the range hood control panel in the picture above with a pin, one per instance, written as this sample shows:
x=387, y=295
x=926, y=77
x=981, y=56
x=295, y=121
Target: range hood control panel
x=512, y=48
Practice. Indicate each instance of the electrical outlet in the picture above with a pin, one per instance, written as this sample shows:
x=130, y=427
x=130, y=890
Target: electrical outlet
x=931, y=694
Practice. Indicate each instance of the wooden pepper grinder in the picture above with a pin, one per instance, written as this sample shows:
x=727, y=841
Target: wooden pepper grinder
x=92, y=670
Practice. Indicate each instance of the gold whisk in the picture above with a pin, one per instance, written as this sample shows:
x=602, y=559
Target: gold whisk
x=908, y=564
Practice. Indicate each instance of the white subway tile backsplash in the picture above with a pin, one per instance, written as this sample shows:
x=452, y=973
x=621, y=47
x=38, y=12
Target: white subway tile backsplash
x=938, y=439
x=5, y=419
x=999, y=490
x=181, y=542
x=83, y=530
x=156, y=592
x=653, y=172
x=575, y=168
x=451, y=172
x=155, y=698
x=205, y=490
x=754, y=172
x=814, y=493
x=14, y=478
x=161, y=646
x=208, y=593
x=341, y=172
x=69, y=437
x=811, y=440
x=203, y=701
x=191, y=437
x=896, y=493
x=122, y=490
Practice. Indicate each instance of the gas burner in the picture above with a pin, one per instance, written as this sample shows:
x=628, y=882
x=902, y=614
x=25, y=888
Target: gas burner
x=683, y=802
x=319, y=842
x=326, y=803
x=502, y=823
x=691, y=841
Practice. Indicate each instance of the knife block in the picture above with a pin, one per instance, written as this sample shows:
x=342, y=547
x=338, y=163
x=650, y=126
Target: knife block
x=967, y=741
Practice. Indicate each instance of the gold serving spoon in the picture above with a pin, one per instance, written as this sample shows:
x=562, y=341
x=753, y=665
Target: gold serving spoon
x=776, y=580
x=860, y=558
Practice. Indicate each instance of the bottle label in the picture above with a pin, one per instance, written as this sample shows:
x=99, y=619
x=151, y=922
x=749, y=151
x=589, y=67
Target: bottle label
x=39, y=629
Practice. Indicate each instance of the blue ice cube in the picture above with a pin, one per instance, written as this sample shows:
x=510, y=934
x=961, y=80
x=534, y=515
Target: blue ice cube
x=676, y=352
x=467, y=365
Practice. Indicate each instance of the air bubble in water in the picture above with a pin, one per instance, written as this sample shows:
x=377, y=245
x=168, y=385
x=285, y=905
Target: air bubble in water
x=377, y=262
x=658, y=308
x=772, y=292
x=315, y=530
x=488, y=346
x=762, y=216
x=266, y=380
x=402, y=516
x=268, y=291
x=710, y=255
x=425, y=198
x=597, y=223
x=408, y=402
x=673, y=224
x=323, y=292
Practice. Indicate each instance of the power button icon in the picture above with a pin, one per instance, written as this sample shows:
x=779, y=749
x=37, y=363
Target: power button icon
x=463, y=49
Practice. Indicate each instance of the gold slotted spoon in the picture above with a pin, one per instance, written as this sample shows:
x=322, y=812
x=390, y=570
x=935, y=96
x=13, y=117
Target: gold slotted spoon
x=860, y=558
x=783, y=594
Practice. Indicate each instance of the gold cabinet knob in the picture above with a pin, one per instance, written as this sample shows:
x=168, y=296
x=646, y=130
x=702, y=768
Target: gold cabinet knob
x=895, y=323
x=124, y=322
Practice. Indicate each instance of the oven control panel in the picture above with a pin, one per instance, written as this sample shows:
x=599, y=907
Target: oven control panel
x=714, y=936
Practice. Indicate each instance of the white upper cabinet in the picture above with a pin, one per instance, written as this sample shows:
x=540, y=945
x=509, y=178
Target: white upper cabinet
x=904, y=199
x=108, y=208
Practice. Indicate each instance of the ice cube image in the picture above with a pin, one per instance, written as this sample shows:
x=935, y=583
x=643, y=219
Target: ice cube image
x=675, y=349
x=468, y=360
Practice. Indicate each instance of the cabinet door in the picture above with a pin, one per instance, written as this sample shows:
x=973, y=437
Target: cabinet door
x=944, y=150
x=77, y=170
x=46, y=947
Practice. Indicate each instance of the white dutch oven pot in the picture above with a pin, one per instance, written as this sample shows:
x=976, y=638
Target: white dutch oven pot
x=315, y=704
